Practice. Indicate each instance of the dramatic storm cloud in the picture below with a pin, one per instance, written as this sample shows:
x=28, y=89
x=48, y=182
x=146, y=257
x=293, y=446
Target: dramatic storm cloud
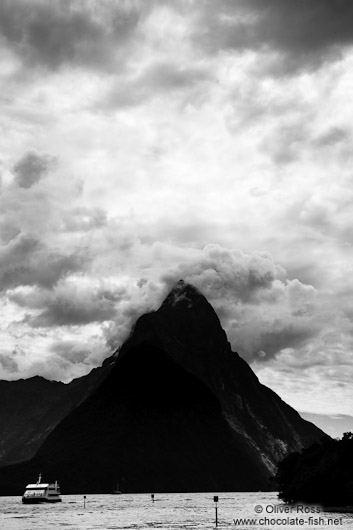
x=30, y=169
x=51, y=34
x=299, y=34
x=144, y=142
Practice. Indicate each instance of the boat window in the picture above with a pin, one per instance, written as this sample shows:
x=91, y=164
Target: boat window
x=34, y=493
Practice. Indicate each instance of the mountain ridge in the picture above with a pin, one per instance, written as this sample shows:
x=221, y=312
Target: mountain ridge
x=176, y=411
x=26, y=418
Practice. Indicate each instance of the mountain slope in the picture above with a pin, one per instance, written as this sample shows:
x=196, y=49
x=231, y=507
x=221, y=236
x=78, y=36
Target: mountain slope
x=179, y=411
x=31, y=409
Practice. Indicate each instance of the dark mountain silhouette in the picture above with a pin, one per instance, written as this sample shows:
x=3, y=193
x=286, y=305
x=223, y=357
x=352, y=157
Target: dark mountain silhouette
x=31, y=408
x=178, y=411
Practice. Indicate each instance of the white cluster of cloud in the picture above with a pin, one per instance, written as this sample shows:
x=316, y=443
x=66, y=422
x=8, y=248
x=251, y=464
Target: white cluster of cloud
x=70, y=275
x=144, y=142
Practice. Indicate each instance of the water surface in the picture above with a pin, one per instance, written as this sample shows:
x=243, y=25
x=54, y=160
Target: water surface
x=192, y=511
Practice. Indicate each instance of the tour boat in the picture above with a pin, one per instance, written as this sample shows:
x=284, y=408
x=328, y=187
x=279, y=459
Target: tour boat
x=41, y=492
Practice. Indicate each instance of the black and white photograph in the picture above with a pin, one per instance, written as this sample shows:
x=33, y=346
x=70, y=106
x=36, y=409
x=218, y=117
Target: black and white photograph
x=176, y=264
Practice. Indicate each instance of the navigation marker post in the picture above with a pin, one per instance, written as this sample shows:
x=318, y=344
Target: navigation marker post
x=215, y=499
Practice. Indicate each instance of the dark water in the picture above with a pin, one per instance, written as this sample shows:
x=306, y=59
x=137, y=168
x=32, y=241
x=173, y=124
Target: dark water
x=169, y=511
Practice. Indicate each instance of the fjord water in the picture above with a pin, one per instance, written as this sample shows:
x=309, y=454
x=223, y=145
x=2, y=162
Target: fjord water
x=169, y=511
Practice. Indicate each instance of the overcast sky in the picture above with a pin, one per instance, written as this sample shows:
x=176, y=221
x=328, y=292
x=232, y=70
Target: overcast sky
x=147, y=141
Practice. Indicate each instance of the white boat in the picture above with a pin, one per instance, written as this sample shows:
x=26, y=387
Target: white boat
x=41, y=492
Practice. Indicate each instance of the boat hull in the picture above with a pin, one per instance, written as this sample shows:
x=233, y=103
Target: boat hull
x=39, y=501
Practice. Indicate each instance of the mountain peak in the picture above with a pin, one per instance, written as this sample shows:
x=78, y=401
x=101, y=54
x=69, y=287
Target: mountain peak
x=177, y=410
x=183, y=292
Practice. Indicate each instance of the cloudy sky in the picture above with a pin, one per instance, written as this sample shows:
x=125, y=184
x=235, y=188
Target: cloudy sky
x=147, y=141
